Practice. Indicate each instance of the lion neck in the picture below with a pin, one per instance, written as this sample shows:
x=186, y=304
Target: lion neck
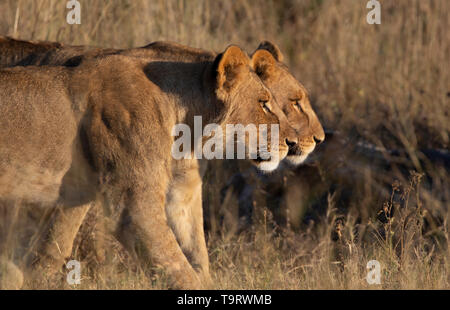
x=191, y=86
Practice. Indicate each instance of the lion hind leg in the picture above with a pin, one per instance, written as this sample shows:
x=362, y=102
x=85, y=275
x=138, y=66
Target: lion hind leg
x=58, y=240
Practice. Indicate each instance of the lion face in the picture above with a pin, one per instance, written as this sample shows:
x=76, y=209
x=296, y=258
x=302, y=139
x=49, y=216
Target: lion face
x=293, y=99
x=250, y=102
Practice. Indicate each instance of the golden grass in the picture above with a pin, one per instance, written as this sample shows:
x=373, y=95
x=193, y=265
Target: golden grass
x=385, y=84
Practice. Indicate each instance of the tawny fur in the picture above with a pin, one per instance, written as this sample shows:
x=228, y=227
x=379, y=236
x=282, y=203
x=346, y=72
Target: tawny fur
x=103, y=128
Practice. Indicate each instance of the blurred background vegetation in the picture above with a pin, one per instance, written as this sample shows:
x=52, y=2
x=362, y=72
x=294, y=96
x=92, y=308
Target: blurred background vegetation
x=378, y=187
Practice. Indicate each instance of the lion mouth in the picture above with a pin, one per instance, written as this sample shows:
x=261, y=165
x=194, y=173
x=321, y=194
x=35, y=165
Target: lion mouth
x=301, y=150
x=269, y=163
x=298, y=154
x=267, y=156
x=259, y=159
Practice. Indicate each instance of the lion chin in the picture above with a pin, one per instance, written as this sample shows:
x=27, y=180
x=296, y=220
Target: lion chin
x=270, y=164
x=297, y=160
x=267, y=166
x=298, y=156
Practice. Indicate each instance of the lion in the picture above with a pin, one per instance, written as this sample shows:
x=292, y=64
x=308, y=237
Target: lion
x=102, y=130
x=289, y=92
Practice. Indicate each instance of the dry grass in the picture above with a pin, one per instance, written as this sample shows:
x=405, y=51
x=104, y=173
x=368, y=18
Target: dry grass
x=388, y=85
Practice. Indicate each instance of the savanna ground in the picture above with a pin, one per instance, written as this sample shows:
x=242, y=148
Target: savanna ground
x=378, y=188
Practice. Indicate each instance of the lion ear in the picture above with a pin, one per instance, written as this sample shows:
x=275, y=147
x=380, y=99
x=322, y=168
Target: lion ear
x=230, y=66
x=272, y=48
x=263, y=63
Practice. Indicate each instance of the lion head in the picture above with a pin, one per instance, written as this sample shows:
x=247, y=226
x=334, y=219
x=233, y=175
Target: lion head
x=250, y=102
x=293, y=99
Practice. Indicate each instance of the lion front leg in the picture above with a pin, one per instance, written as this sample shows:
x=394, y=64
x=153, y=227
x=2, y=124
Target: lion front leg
x=185, y=215
x=199, y=254
x=144, y=220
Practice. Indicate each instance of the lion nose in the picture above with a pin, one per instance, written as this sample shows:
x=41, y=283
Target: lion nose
x=318, y=140
x=291, y=144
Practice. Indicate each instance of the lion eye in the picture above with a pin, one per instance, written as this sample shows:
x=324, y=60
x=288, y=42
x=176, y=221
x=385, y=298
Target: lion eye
x=298, y=105
x=264, y=105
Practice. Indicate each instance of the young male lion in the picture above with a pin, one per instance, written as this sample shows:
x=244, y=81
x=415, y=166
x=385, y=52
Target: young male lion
x=289, y=92
x=103, y=129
